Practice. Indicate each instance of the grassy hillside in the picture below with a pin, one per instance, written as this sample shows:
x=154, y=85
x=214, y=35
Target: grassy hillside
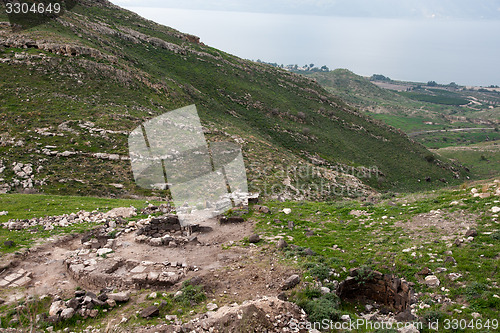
x=420, y=109
x=482, y=159
x=73, y=88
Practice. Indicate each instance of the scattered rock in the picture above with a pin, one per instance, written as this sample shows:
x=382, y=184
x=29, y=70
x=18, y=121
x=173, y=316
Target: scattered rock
x=450, y=259
x=123, y=212
x=432, y=281
x=309, y=252
x=104, y=251
x=495, y=209
x=254, y=238
x=282, y=244
x=291, y=282
x=471, y=233
x=155, y=242
x=212, y=306
x=111, y=303
x=231, y=219
x=150, y=311
x=67, y=313
x=441, y=270
x=262, y=209
x=325, y=290
x=56, y=308
x=425, y=271
x=408, y=329
x=171, y=318
x=120, y=297
x=309, y=233
x=287, y=211
x=454, y=276
x=345, y=318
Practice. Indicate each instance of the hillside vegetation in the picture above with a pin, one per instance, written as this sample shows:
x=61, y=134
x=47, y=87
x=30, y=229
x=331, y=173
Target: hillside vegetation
x=73, y=88
x=415, y=107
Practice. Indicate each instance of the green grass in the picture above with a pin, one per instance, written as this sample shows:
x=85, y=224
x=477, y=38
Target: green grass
x=26, y=206
x=409, y=111
x=343, y=241
x=449, y=139
x=439, y=98
x=482, y=159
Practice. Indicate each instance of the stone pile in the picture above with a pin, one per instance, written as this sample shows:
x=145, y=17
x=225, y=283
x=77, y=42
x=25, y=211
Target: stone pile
x=165, y=231
x=268, y=314
x=49, y=222
x=152, y=209
x=83, y=303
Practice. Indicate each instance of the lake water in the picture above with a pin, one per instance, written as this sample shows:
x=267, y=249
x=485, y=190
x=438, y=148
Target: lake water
x=466, y=52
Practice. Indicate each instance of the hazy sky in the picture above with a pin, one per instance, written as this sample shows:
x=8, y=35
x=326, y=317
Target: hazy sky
x=414, y=40
x=472, y=9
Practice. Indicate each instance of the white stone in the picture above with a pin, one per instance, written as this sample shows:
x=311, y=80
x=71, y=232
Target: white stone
x=138, y=269
x=56, y=307
x=212, y=306
x=125, y=212
x=120, y=297
x=432, y=281
x=345, y=318
x=408, y=329
x=103, y=251
x=67, y=313
x=325, y=290
x=495, y=209
x=287, y=210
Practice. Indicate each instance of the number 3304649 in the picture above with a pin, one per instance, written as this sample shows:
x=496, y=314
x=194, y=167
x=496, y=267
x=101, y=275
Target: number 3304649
x=34, y=8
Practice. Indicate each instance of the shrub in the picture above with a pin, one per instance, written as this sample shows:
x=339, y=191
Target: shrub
x=319, y=307
x=319, y=270
x=474, y=290
x=430, y=158
x=191, y=294
x=433, y=316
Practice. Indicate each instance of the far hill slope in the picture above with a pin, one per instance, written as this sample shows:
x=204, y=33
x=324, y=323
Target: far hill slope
x=449, y=106
x=431, y=115
x=72, y=89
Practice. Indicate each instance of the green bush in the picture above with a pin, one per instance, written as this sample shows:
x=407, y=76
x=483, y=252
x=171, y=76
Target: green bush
x=317, y=306
x=324, y=307
x=318, y=270
x=191, y=294
x=433, y=316
x=474, y=290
